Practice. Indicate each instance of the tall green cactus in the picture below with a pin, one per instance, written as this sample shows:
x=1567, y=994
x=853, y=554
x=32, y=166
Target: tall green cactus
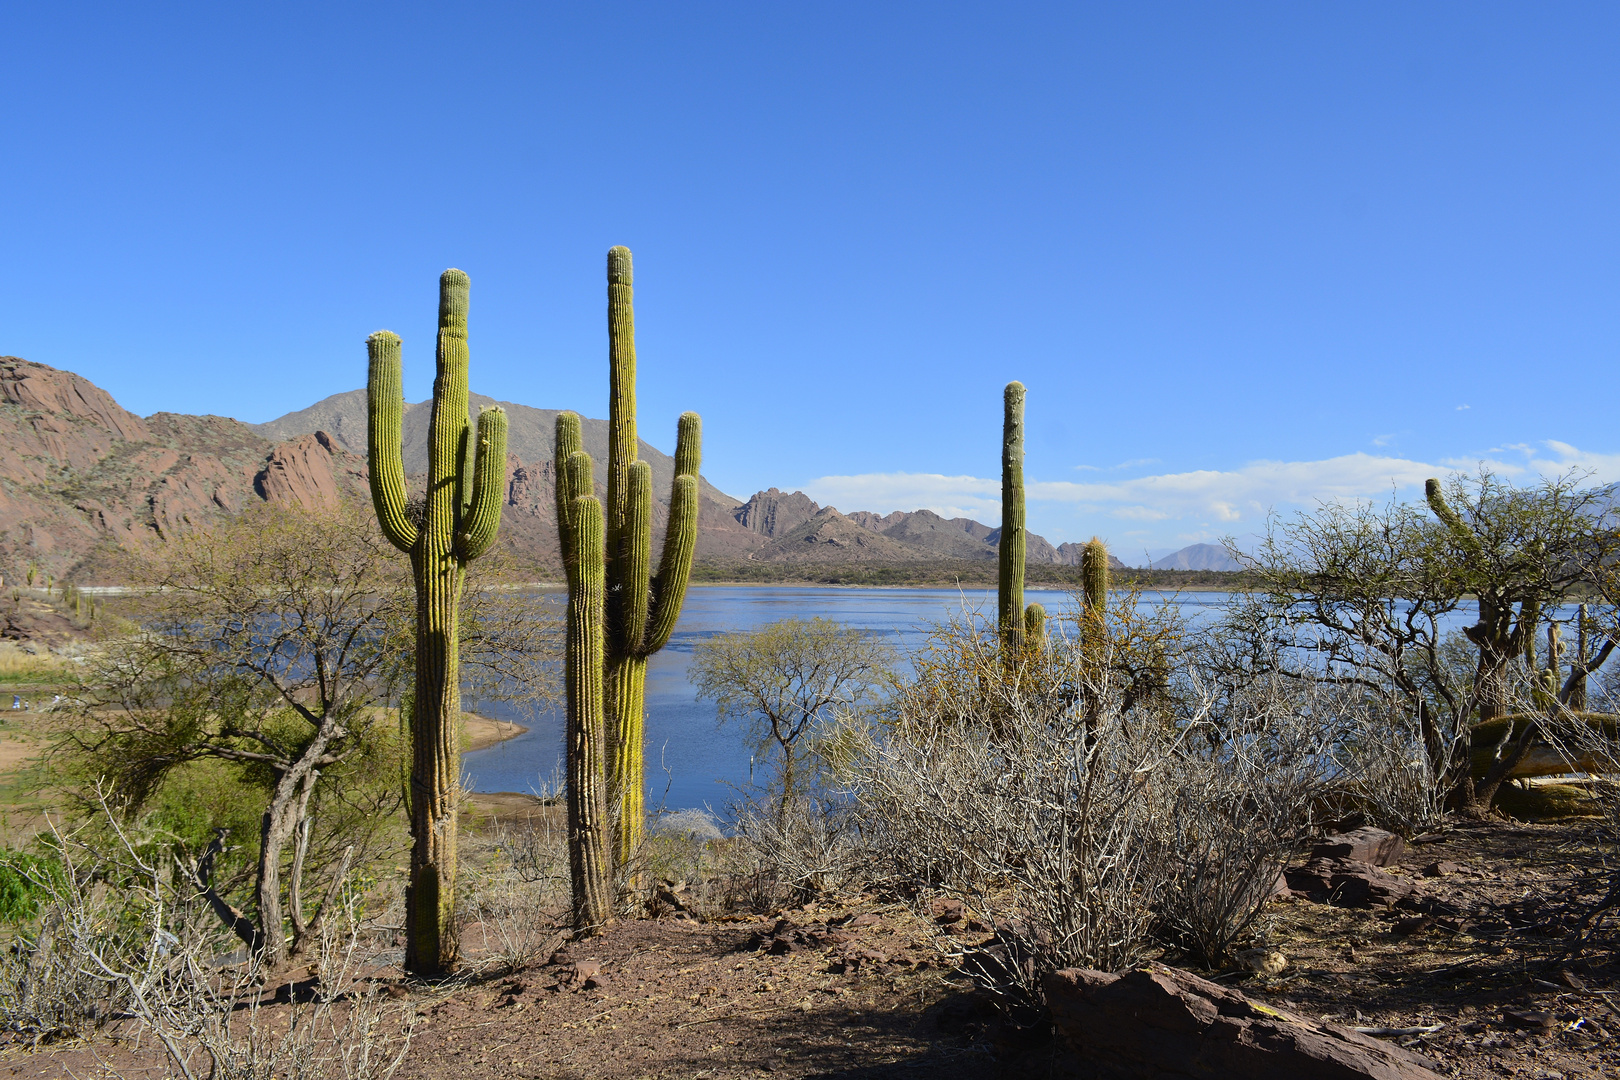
x=641, y=606
x=1016, y=624
x=1094, y=576
x=466, y=487
x=1010, y=549
x=580, y=533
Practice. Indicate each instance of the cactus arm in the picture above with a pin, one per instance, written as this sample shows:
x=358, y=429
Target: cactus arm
x=587, y=717
x=1010, y=583
x=483, y=517
x=567, y=444
x=385, y=410
x=1094, y=574
x=1436, y=498
x=675, y=566
x=680, y=534
x=688, y=444
x=623, y=449
x=569, y=440
x=1094, y=584
x=635, y=559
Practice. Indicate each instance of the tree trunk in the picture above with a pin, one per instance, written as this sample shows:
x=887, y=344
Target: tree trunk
x=275, y=830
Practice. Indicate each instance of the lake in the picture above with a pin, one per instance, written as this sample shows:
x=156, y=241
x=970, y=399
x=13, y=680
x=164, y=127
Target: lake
x=691, y=760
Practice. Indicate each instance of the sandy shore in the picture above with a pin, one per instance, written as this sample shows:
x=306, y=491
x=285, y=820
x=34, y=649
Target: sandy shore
x=480, y=732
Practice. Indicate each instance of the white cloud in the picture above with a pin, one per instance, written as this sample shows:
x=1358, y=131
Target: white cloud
x=1202, y=503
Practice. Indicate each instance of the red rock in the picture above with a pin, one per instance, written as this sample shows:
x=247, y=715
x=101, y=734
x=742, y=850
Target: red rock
x=1167, y=1024
x=1347, y=883
x=1366, y=844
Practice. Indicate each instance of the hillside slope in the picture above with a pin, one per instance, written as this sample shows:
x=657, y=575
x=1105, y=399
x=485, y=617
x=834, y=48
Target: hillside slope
x=81, y=476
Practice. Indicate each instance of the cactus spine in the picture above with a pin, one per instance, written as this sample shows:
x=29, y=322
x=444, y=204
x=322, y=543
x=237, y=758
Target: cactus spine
x=1010, y=613
x=466, y=486
x=641, y=606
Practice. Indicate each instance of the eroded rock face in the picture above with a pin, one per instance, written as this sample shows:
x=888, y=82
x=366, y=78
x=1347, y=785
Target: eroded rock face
x=773, y=513
x=81, y=476
x=299, y=473
x=1166, y=1024
x=54, y=394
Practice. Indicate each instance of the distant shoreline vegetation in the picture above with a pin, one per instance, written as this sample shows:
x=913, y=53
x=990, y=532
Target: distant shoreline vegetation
x=946, y=574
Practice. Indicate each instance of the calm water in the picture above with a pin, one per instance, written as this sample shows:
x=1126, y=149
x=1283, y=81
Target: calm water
x=690, y=758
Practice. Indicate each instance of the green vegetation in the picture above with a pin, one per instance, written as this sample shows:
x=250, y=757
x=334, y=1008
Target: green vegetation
x=785, y=684
x=641, y=607
x=580, y=531
x=457, y=524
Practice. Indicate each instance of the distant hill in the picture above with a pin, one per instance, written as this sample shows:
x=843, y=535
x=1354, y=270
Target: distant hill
x=798, y=530
x=81, y=476
x=1198, y=557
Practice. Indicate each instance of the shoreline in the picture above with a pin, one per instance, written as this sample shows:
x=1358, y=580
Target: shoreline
x=481, y=732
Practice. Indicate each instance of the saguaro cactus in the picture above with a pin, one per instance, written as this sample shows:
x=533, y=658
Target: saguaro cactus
x=1015, y=623
x=466, y=486
x=580, y=532
x=1010, y=550
x=641, y=607
x=1094, y=577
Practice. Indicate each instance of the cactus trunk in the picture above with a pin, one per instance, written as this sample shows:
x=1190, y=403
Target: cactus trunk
x=1094, y=582
x=466, y=486
x=1010, y=613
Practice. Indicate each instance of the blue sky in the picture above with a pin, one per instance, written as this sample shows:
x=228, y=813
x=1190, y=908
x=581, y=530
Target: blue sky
x=1244, y=256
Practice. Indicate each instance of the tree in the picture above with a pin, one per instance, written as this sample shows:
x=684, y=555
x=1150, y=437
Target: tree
x=1521, y=552
x=273, y=643
x=1357, y=594
x=785, y=680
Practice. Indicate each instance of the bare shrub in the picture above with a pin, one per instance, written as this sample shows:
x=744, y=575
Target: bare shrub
x=1091, y=802
x=515, y=889
x=118, y=930
x=805, y=847
x=1031, y=792
x=1240, y=790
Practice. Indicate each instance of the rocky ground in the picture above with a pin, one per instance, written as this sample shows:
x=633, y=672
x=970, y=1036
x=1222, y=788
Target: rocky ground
x=1484, y=948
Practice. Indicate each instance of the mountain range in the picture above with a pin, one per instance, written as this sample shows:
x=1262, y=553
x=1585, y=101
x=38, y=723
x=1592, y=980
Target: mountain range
x=80, y=476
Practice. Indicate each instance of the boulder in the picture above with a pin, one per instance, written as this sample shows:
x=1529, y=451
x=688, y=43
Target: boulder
x=1348, y=883
x=1167, y=1024
x=1367, y=844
